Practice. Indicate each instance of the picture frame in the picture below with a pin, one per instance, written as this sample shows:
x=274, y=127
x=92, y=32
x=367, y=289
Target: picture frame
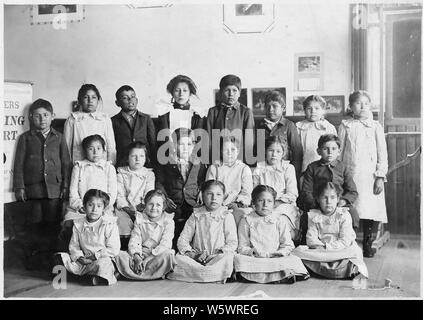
x=56, y=13
x=308, y=71
x=258, y=97
x=335, y=104
x=248, y=17
x=243, y=99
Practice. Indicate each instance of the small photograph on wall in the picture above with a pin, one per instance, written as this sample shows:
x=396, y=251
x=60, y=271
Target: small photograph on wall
x=251, y=9
x=309, y=64
x=242, y=98
x=298, y=106
x=259, y=95
x=334, y=104
x=56, y=13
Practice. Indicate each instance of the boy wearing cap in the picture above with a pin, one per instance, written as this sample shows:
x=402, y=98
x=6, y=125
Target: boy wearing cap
x=231, y=115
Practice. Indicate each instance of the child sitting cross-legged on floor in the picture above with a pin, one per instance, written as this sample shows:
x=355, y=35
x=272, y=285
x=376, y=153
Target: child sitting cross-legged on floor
x=331, y=249
x=150, y=255
x=208, y=241
x=265, y=243
x=95, y=241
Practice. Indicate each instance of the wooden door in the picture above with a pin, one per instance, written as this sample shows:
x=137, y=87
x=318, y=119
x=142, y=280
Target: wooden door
x=402, y=117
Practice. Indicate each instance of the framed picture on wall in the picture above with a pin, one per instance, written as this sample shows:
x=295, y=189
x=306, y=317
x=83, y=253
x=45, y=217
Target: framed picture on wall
x=248, y=17
x=259, y=95
x=334, y=104
x=242, y=98
x=56, y=13
x=298, y=105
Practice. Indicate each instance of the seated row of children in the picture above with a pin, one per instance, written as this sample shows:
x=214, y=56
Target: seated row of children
x=211, y=248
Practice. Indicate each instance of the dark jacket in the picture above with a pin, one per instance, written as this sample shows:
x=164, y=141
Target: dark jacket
x=288, y=133
x=243, y=118
x=169, y=180
x=143, y=131
x=40, y=162
x=317, y=173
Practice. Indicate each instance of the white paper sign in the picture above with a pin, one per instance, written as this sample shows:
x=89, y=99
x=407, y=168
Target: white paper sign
x=17, y=98
x=308, y=84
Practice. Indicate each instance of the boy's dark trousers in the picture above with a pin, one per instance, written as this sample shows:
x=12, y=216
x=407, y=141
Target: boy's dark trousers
x=182, y=213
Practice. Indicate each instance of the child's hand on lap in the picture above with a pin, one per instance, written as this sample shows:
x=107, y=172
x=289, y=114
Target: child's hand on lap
x=378, y=185
x=84, y=260
x=20, y=195
x=232, y=206
x=170, y=205
x=137, y=264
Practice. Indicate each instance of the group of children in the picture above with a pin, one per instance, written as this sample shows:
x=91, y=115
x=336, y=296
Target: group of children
x=128, y=213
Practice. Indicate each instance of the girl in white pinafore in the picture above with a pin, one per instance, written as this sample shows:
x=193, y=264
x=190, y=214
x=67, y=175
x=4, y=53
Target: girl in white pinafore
x=86, y=122
x=312, y=128
x=150, y=255
x=236, y=176
x=95, y=241
x=280, y=175
x=364, y=152
x=331, y=249
x=208, y=241
x=265, y=243
x=133, y=183
x=94, y=172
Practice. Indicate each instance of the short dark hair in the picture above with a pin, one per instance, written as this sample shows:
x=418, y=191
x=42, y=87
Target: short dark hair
x=209, y=183
x=95, y=193
x=139, y=145
x=315, y=98
x=83, y=90
x=276, y=96
x=181, y=133
x=322, y=187
x=230, y=80
x=260, y=189
x=121, y=89
x=181, y=78
x=156, y=192
x=40, y=103
x=272, y=140
x=90, y=139
x=326, y=138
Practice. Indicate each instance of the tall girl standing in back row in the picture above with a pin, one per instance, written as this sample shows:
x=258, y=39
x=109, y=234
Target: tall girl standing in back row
x=364, y=152
x=86, y=122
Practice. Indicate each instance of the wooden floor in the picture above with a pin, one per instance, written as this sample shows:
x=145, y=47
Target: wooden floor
x=398, y=260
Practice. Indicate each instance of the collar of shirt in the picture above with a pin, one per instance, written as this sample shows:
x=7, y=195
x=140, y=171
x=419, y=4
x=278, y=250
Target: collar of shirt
x=51, y=130
x=271, y=124
x=271, y=218
x=79, y=115
x=218, y=214
x=366, y=122
x=132, y=115
x=235, y=106
x=88, y=163
x=319, y=125
x=89, y=226
x=330, y=164
x=185, y=106
x=280, y=167
x=145, y=219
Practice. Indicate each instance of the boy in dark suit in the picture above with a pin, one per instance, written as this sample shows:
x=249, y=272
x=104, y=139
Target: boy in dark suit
x=131, y=125
x=181, y=178
x=41, y=174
